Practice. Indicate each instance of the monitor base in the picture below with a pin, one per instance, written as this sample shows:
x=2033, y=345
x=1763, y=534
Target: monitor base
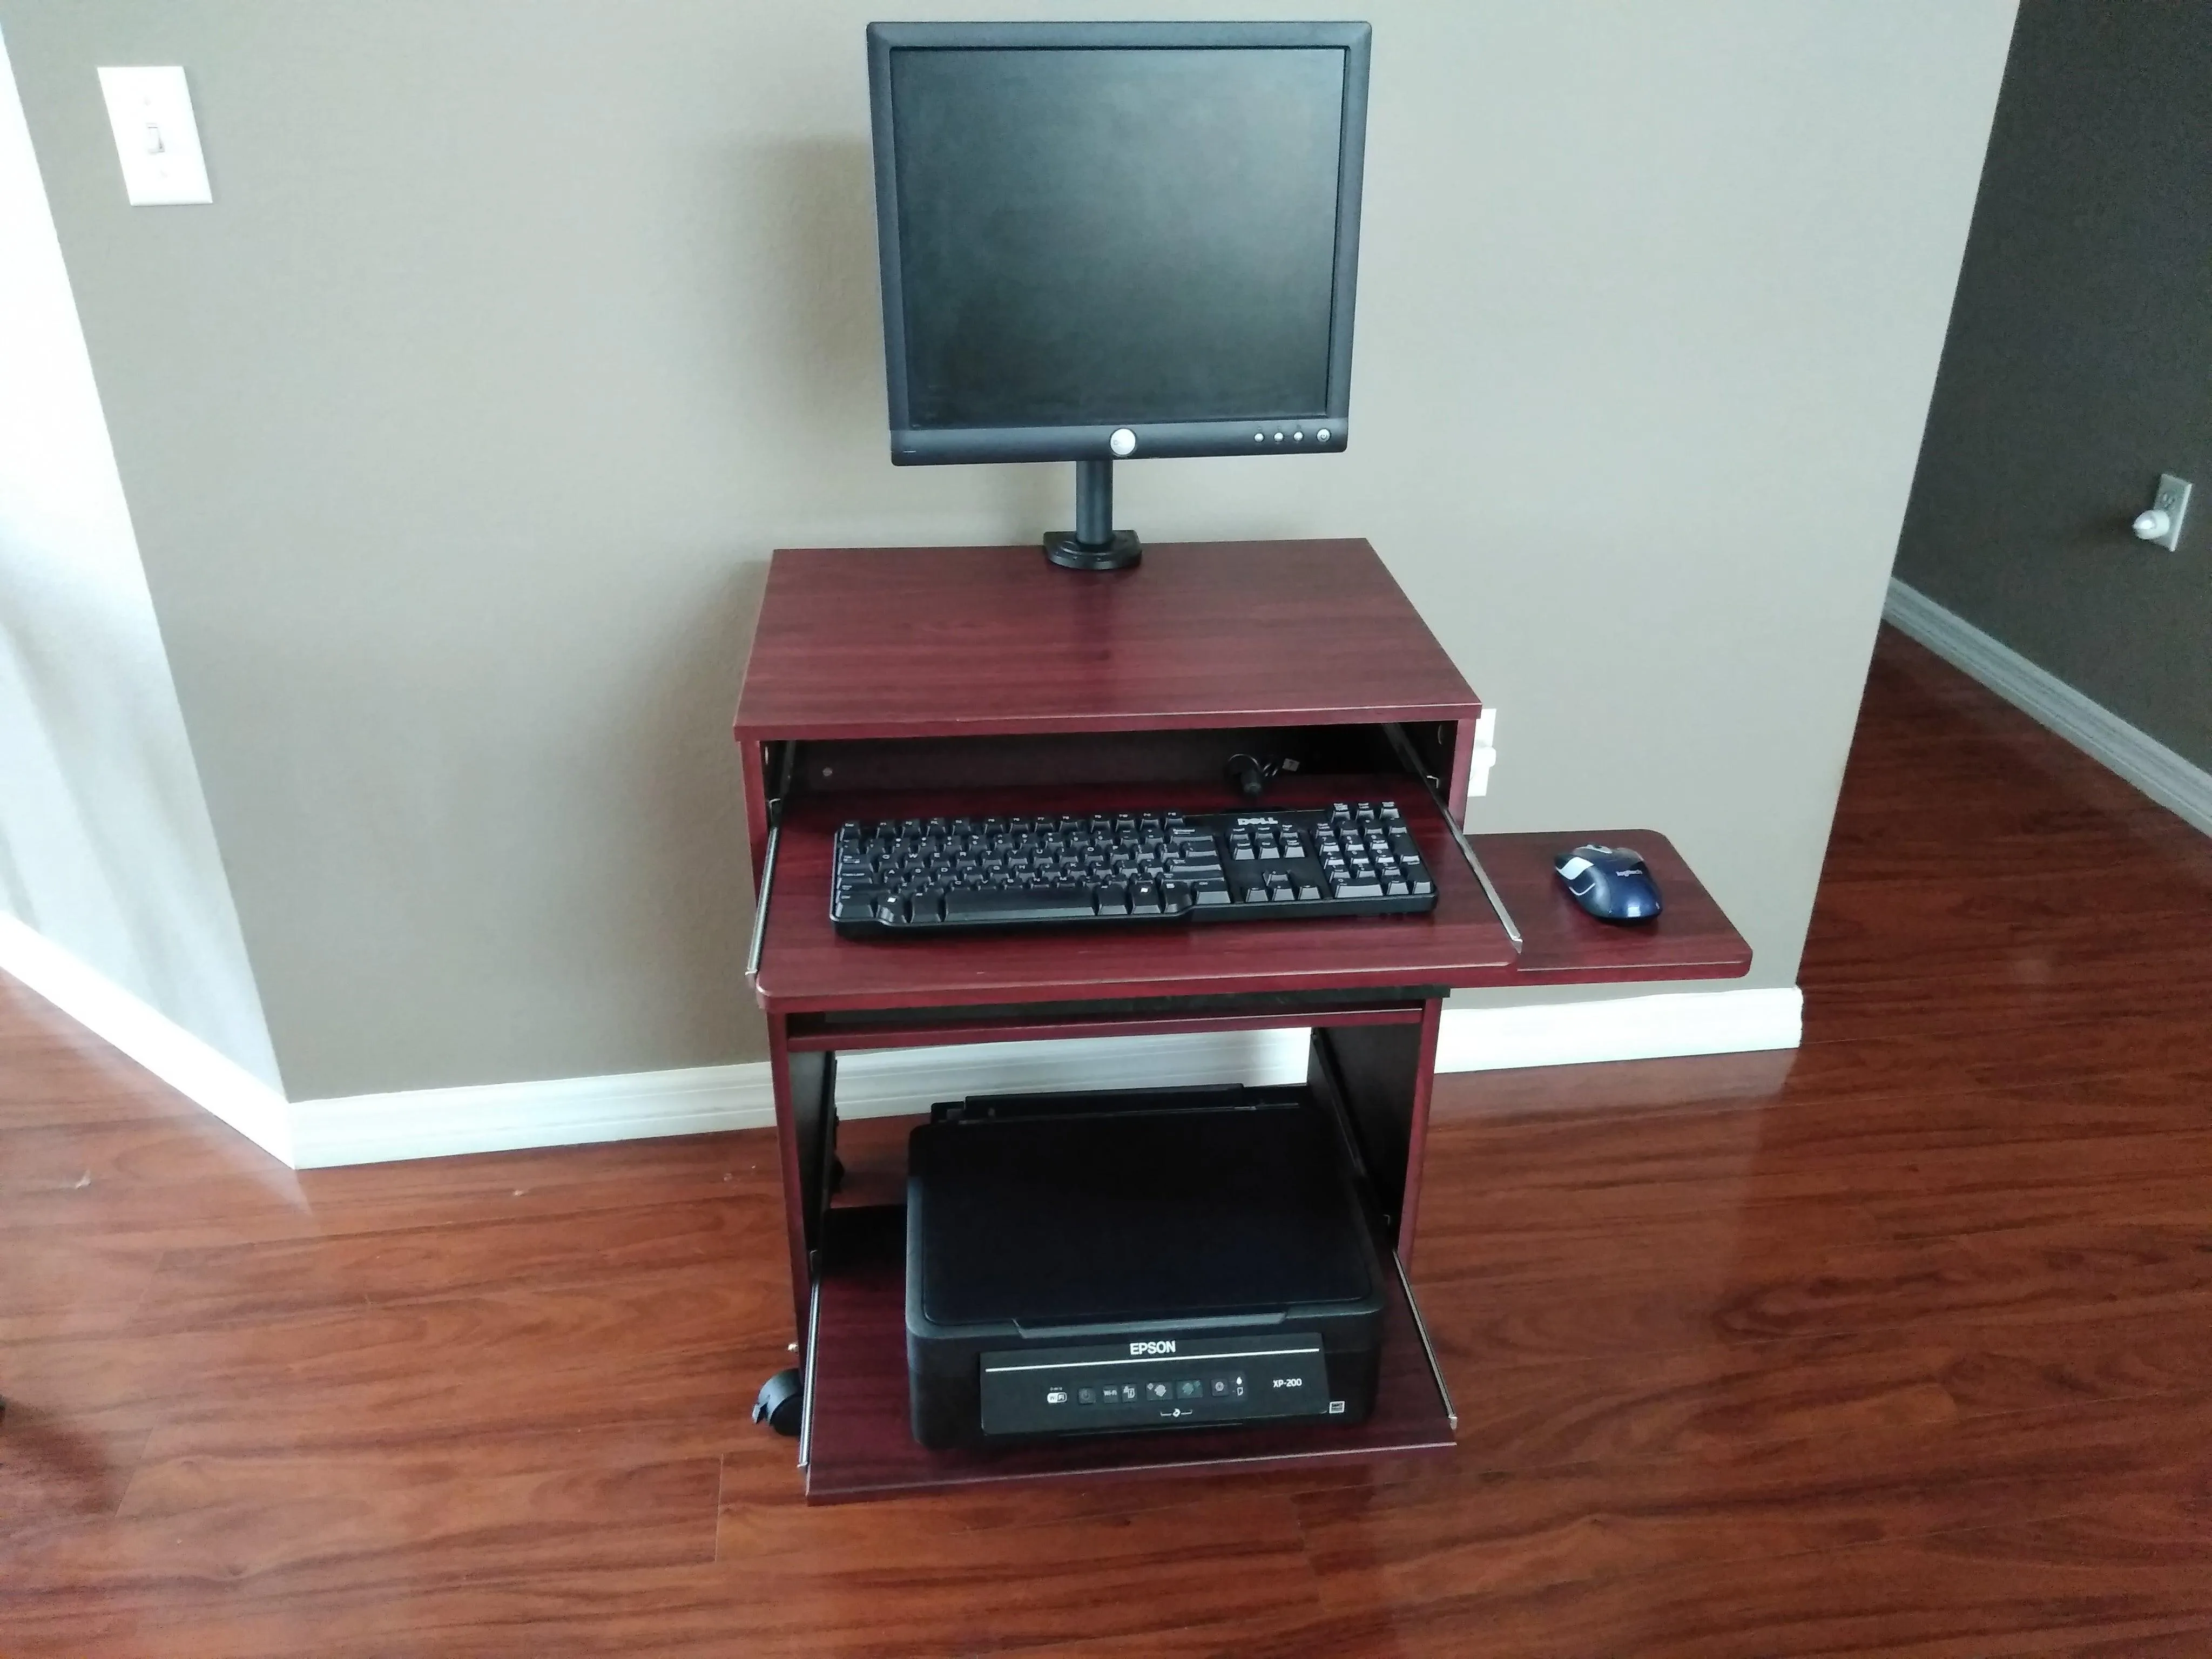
x=1065, y=549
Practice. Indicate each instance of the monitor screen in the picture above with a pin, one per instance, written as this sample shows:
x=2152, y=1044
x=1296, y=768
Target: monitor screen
x=1093, y=227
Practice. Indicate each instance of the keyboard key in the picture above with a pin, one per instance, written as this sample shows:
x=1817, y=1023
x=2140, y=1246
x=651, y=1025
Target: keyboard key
x=1035, y=904
x=1114, y=901
x=1348, y=889
x=856, y=904
x=1145, y=899
x=1211, y=893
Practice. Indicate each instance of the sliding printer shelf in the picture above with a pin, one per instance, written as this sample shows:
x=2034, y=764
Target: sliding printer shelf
x=946, y=682
x=857, y=1442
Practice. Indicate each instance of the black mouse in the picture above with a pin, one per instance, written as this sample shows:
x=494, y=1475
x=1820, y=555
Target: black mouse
x=1610, y=882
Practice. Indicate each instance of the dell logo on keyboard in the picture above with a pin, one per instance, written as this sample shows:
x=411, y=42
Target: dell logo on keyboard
x=1152, y=1347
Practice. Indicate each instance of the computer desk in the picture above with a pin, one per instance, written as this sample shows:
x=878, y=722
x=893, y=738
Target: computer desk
x=914, y=683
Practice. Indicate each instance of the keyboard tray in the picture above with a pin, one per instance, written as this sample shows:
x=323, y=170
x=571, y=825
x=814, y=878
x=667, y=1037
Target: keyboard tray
x=805, y=967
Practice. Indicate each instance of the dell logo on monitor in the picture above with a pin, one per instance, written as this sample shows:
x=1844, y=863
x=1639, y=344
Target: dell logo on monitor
x=1152, y=1347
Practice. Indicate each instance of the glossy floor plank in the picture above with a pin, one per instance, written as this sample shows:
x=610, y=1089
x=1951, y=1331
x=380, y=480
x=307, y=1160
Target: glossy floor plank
x=1900, y=1345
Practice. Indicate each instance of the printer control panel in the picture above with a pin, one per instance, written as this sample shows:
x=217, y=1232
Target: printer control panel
x=1155, y=1381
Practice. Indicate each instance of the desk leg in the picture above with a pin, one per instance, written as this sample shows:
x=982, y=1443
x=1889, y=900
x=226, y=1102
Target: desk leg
x=804, y=1084
x=1387, y=1073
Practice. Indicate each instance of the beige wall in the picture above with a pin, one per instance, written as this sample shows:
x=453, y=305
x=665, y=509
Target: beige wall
x=456, y=430
x=105, y=844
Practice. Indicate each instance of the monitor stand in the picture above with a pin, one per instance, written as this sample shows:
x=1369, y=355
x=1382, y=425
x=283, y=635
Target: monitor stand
x=1094, y=544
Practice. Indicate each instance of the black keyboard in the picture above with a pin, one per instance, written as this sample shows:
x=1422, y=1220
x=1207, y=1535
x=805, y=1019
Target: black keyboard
x=1354, y=859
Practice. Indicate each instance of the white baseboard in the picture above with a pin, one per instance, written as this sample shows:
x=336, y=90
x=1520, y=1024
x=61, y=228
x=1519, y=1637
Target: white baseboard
x=712, y=1099
x=505, y=1117
x=1662, y=1026
x=157, y=1043
x=875, y=1083
x=890, y=1082
x=2175, y=784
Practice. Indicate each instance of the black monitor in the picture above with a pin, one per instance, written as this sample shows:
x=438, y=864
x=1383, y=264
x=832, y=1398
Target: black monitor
x=1116, y=240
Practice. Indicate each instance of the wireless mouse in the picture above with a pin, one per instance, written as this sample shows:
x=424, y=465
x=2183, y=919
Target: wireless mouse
x=1610, y=882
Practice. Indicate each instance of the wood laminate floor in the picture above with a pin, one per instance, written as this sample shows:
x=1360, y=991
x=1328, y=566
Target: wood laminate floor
x=1900, y=1344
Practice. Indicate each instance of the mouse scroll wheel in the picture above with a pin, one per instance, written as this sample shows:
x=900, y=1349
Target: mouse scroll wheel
x=1574, y=868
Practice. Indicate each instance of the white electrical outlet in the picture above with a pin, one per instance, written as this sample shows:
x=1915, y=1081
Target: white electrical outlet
x=2160, y=526
x=1484, y=755
x=156, y=139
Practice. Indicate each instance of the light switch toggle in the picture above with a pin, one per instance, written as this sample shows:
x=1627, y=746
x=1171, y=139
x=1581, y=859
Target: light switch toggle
x=156, y=139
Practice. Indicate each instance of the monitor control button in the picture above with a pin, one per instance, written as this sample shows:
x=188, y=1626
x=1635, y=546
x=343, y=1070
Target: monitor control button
x=1123, y=442
x=1279, y=437
x=1321, y=436
x=1299, y=437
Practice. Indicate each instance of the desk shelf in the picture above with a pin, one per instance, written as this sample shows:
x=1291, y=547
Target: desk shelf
x=1691, y=939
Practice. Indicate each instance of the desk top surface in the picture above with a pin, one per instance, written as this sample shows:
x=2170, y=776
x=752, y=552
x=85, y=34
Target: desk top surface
x=887, y=642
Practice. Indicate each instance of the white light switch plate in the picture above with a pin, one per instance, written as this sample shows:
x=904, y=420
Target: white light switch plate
x=155, y=137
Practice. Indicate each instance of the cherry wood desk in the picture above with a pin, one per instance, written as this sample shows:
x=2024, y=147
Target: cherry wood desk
x=925, y=681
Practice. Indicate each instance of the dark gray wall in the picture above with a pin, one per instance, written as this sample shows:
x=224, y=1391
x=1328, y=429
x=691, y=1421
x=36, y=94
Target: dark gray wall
x=2078, y=366
x=456, y=430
